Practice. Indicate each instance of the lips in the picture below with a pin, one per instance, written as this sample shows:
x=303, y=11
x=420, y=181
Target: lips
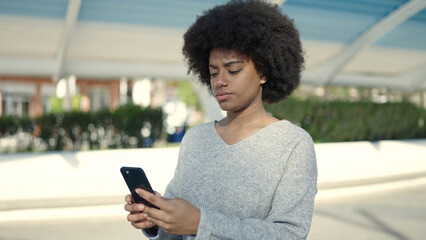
x=222, y=96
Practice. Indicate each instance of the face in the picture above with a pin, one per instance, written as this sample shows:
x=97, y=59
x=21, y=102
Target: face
x=234, y=80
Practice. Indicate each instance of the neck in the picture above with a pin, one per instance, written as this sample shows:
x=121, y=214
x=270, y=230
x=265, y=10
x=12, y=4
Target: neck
x=249, y=116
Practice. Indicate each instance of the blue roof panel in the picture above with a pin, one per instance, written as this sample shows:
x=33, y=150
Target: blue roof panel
x=160, y=13
x=51, y=9
x=328, y=25
x=340, y=21
x=345, y=20
x=410, y=34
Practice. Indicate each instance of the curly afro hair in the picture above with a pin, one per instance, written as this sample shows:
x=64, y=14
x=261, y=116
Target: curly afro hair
x=256, y=29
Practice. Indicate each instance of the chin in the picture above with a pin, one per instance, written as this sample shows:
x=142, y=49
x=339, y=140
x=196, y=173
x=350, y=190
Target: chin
x=225, y=107
x=229, y=108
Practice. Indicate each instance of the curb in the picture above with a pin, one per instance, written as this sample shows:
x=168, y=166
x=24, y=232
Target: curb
x=326, y=191
x=64, y=202
x=90, y=208
x=351, y=191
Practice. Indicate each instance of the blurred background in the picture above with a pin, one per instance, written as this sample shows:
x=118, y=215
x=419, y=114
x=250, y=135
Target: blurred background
x=87, y=86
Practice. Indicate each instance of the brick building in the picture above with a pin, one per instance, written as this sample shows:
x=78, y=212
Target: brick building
x=30, y=96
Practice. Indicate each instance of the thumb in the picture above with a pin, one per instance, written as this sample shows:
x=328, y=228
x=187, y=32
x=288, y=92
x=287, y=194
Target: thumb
x=151, y=198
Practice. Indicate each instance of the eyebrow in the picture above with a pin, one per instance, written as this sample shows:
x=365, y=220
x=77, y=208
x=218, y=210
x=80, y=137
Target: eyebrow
x=226, y=64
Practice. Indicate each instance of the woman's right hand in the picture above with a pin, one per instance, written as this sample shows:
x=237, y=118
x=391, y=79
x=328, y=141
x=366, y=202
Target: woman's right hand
x=136, y=215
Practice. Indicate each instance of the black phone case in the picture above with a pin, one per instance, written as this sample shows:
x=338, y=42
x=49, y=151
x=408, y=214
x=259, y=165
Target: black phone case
x=136, y=178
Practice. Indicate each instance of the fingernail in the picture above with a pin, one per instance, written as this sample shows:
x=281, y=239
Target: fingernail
x=141, y=207
x=138, y=191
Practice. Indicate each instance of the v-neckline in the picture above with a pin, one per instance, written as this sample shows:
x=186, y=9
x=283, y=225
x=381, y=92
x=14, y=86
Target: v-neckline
x=246, y=138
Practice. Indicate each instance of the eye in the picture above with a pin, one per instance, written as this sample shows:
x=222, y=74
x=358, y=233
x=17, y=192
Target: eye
x=212, y=75
x=234, y=72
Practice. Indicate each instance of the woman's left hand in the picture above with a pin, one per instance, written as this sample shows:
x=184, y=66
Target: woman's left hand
x=175, y=216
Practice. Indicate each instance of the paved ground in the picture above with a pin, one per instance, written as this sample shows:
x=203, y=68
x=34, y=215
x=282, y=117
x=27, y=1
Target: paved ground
x=105, y=228
x=399, y=214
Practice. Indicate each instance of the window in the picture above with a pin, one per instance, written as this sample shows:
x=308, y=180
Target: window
x=99, y=98
x=16, y=105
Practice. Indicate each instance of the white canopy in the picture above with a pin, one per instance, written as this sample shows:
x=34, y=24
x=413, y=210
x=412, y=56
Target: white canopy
x=359, y=43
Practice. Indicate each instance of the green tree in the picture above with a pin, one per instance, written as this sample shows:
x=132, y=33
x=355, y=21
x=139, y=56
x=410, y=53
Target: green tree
x=187, y=94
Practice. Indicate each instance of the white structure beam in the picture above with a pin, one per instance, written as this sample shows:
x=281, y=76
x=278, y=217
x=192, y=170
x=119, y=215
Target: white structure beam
x=416, y=78
x=278, y=2
x=92, y=69
x=70, y=20
x=26, y=66
x=112, y=69
x=326, y=73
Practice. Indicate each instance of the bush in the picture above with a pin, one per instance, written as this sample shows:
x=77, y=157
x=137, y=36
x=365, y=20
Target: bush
x=128, y=126
x=132, y=126
x=10, y=125
x=336, y=121
x=16, y=133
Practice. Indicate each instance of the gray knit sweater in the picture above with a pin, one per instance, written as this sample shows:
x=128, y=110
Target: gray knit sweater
x=262, y=187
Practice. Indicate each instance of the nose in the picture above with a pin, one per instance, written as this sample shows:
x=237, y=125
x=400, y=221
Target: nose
x=220, y=80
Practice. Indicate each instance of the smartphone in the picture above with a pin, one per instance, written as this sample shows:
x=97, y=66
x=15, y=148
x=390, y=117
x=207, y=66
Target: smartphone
x=135, y=178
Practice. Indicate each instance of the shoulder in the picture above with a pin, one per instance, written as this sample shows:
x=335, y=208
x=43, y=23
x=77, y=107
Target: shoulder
x=291, y=132
x=302, y=149
x=283, y=138
x=292, y=139
x=201, y=130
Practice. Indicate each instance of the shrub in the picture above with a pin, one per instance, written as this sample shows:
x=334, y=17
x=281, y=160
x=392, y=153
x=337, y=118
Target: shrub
x=128, y=126
x=335, y=121
x=10, y=125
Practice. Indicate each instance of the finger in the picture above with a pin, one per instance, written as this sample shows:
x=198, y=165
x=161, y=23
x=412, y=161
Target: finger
x=137, y=217
x=152, y=198
x=129, y=199
x=155, y=213
x=156, y=222
x=134, y=207
x=142, y=225
x=158, y=194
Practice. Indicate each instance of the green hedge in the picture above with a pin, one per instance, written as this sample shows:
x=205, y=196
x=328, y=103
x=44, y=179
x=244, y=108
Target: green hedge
x=133, y=126
x=128, y=126
x=336, y=121
x=11, y=125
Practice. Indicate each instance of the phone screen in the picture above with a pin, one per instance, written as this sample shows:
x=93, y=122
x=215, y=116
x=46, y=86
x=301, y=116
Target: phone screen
x=136, y=178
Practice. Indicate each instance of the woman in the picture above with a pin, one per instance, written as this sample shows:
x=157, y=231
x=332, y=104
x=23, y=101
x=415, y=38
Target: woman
x=249, y=175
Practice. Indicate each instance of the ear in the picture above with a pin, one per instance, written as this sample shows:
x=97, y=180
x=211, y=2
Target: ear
x=262, y=79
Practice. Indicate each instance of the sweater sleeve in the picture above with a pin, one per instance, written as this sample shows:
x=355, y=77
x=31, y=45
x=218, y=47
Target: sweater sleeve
x=171, y=193
x=161, y=235
x=291, y=209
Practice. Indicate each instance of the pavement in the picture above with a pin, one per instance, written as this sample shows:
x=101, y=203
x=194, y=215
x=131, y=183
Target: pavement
x=398, y=214
x=68, y=185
